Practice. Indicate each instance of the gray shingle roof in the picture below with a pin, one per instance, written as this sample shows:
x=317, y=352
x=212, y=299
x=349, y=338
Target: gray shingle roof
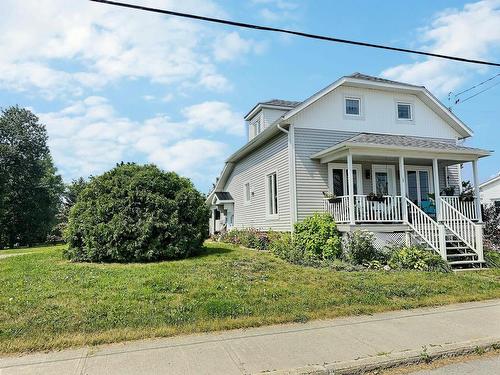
x=367, y=77
x=407, y=141
x=223, y=196
x=282, y=103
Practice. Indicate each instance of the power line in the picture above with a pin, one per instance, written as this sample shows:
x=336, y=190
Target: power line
x=479, y=84
x=477, y=93
x=292, y=32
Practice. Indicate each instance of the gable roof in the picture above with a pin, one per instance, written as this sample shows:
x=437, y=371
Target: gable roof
x=273, y=103
x=367, y=81
x=490, y=181
x=366, y=77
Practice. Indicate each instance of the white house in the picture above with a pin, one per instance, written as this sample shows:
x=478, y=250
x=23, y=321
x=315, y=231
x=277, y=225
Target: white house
x=383, y=150
x=490, y=191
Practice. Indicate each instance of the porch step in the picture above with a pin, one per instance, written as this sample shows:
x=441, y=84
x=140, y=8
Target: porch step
x=463, y=255
x=464, y=262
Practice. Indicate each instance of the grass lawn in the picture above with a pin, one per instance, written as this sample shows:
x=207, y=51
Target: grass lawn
x=49, y=303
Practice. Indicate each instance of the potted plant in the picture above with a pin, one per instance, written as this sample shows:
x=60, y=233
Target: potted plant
x=330, y=197
x=467, y=194
x=448, y=191
x=372, y=197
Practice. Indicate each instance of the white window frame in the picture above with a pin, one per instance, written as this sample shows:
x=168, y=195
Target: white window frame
x=416, y=169
x=269, y=213
x=360, y=101
x=245, y=200
x=391, y=185
x=343, y=166
x=401, y=102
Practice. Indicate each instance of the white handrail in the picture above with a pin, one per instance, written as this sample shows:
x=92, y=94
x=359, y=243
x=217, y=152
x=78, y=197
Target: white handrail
x=467, y=208
x=424, y=225
x=464, y=228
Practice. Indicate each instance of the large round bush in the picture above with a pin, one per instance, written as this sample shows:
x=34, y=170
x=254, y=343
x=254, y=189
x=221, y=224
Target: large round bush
x=134, y=214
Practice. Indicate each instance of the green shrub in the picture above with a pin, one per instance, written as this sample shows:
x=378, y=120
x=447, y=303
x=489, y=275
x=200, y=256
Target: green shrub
x=359, y=248
x=318, y=238
x=136, y=213
x=492, y=258
x=251, y=238
x=417, y=258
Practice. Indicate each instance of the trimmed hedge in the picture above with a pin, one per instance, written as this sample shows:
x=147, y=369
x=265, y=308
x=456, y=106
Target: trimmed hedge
x=137, y=214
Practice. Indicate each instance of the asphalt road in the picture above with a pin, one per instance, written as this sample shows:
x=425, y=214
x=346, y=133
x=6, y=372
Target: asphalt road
x=480, y=366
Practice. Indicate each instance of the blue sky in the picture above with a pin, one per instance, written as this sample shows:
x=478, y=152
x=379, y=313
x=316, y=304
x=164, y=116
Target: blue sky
x=114, y=84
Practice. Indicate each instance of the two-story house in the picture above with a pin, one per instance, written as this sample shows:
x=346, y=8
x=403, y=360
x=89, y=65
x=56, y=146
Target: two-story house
x=376, y=154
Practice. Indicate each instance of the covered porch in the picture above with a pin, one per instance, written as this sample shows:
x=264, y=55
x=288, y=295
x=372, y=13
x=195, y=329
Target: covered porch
x=378, y=179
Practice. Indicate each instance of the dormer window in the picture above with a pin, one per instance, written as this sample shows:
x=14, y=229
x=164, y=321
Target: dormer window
x=257, y=127
x=405, y=111
x=352, y=106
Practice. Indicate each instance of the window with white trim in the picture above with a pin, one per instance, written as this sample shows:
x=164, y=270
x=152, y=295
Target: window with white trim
x=405, y=111
x=272, y=193
x=247, y=195
x=352, y=106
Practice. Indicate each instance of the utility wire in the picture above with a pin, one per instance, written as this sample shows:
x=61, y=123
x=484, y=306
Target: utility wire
x=479, y=84
x=477, y=93
x=292, y=32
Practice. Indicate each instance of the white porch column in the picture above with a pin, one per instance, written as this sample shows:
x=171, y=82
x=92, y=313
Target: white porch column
x=402, y=187
x=477, y=197
x=350, y=185
x=435, y=172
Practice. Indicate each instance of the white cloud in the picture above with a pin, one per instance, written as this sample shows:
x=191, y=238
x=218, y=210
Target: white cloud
x=232, y=47
x=472, y=32
x=215, y=117
x=277, y=10
x=66, y=47
x=89, y=137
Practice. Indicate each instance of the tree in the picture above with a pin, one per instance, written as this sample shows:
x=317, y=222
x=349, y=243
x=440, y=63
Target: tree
x=30, y=188
x=69, y=198
x=136, y=213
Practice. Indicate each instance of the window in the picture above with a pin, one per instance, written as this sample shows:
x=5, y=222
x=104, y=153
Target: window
x=352, y=106
x=497, y=204
x=272, y=194
x=337, y=175
x=384, y=179
x=246, y=193
x=404, y=111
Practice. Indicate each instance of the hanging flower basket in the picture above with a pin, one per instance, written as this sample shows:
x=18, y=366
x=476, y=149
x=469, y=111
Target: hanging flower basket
x=331, y=198
x=372, y=197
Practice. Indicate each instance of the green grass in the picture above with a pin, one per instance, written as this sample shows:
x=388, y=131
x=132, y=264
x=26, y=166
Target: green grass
x=49, y=303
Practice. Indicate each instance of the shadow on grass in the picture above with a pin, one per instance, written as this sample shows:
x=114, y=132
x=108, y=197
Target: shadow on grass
x=213, y=250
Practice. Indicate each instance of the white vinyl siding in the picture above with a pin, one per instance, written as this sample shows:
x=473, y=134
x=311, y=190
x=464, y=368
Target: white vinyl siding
x=272, y=156
x=377, y=114
x=311, y=175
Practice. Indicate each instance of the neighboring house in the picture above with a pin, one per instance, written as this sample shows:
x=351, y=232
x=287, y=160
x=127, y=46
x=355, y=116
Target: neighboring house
x=490, y=191
x=384, y=149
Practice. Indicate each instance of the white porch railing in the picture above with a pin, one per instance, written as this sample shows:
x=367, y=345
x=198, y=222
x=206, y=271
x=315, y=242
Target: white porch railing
x=339, y=209
x=372, y=211
x=428, y=229
x=463, y=227
x=468, y=209
x=365, y=210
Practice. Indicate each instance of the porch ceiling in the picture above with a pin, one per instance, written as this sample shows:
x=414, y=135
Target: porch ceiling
x=389, y=147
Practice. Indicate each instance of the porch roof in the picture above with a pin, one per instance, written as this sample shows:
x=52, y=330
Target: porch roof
x=399, y=145
x=221, y=197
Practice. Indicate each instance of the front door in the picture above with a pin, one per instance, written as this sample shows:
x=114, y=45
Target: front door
x=384, y=179
x=419, y=184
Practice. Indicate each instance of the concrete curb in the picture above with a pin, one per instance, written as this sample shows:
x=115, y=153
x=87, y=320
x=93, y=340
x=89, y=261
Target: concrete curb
x=391, y=360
